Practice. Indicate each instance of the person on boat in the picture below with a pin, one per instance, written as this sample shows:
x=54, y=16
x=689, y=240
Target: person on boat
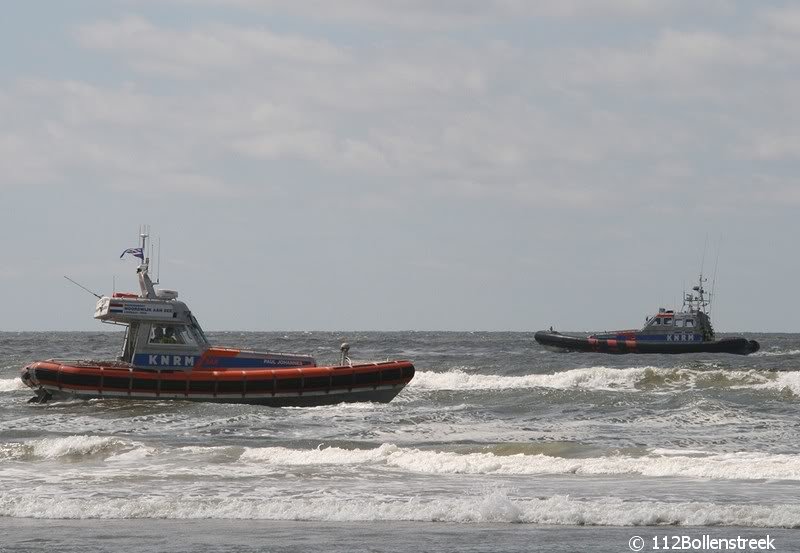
x=164, y=335
x=169, y=336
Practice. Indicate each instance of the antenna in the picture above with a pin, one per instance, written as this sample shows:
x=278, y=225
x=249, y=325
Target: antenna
x=703, y=260
x=701, y=301
x=714, y=278
x=144, y=232
x=683, y=296
x=158, y=267
x=81, y=286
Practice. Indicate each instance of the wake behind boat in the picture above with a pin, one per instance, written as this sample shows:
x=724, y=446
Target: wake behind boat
x=166, y=355
x=685, y=331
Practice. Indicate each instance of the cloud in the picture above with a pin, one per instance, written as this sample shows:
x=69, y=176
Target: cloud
x=423, y=15
x=60, y=131
x=219, y=48
x=786, y=19
x=572, y=125
x=775, y=146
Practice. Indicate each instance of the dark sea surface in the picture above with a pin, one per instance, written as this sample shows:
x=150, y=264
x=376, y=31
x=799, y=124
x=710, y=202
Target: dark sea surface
x=496, y=445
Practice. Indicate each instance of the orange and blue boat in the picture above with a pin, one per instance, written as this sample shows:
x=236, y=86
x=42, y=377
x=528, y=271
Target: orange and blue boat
x=166, y=355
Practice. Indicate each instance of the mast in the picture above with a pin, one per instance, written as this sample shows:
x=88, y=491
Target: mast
x=712, y=297
x=697, y=305
x=698, y=301
x=145, y=284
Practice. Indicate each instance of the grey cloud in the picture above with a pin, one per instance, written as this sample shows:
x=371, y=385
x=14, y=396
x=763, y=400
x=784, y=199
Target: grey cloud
x=453, y=14
x=785, y=19
x=484, y=119
x=212, y=47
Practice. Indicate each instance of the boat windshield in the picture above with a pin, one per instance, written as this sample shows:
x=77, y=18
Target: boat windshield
x=172, y=334
x=130, y=342
x=198, y=333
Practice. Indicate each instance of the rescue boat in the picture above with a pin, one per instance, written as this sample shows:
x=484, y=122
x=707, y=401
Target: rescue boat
x=686, y=331
x=166, y=355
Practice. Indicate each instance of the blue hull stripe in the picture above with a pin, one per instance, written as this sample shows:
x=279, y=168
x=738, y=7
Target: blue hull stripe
x=250, y=363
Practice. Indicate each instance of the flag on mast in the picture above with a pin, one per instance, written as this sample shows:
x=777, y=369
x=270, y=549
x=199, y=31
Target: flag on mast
x=135, y=252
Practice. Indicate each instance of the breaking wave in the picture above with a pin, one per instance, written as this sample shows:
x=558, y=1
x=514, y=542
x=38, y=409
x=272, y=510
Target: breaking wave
x=594, y=378
x=11, y=385
x=249, y=461
x=658, y=463
x=612, y=379
x=495, y=506
x=73, y=447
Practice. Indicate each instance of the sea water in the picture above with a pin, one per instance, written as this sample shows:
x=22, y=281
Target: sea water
x=498, y=444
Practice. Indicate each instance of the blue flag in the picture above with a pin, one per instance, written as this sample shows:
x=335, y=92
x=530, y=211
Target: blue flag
x=135, y=252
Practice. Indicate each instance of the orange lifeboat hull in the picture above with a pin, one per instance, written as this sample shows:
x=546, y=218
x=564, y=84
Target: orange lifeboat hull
x=303, y=386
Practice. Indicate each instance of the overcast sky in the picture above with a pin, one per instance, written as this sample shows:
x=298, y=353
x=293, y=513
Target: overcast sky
x=389, y=165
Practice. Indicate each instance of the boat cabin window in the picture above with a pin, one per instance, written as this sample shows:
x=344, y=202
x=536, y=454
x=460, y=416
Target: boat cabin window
x=171, y=334
x=198, y=336
x=667, y=321
x=658, y=320
x=131, y=334
x=198, y=332
x=690, y=322
x=679, y=322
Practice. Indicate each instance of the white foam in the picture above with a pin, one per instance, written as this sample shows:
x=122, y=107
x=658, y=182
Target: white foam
x=776, y=353
x=12, y=450
x=784, y=381
x=612, y=379
x=276, y=460
x=283, y=456
x=593, y=378
x=678, y=452
x=691, y=463
x=51, y=448
x=67, y=446
x=344, y=406
x=134, y=455
x=11, y=384
x=495, y=506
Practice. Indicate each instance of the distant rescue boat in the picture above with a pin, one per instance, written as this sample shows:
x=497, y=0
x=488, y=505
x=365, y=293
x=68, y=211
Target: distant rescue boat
x=685, y=331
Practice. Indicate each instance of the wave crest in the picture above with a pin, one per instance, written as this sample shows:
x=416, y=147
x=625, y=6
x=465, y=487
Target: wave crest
x=64, y=447
x=495, y=507
x=612, y=379
x=656, y=463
